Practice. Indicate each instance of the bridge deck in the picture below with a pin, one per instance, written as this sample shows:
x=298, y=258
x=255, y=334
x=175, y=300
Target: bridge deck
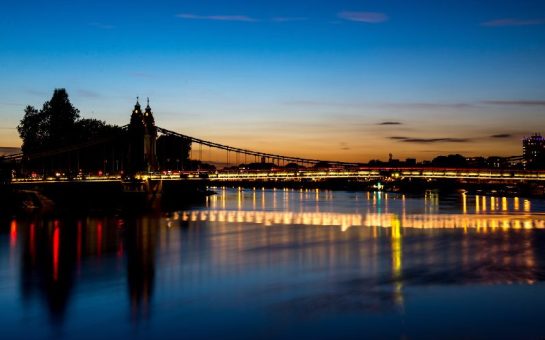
x=357, y=174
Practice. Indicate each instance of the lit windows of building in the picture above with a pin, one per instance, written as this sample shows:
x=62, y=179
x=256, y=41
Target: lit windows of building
x=533, y=151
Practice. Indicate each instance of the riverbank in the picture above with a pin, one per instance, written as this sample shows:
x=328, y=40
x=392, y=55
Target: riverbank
x=81, y=196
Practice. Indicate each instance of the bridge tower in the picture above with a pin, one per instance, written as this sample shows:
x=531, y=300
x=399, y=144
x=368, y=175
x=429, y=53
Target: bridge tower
x=150, y=139
x=142, y=134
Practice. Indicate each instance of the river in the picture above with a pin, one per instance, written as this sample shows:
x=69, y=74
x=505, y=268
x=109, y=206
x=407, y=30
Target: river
x=264, y=263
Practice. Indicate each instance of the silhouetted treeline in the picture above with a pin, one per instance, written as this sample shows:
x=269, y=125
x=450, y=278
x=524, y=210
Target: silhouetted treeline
x=453, y=161
x=58, y=124
x=56, y=137
x=173, y=152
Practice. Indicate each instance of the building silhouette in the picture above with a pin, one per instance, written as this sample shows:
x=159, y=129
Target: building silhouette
x=533, y=151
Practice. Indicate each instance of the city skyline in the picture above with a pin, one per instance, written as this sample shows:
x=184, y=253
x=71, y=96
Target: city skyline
x=348, y=81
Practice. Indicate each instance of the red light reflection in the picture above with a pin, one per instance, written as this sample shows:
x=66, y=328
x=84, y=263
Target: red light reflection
x=99, y=238
x=32, y=240
x=56, y=243
x=13, y=234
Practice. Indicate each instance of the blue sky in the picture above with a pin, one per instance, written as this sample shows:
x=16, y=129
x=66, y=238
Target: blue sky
x=309, y=78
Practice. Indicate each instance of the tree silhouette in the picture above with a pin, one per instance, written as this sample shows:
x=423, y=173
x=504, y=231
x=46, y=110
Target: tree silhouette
x=173, y=152
x=453, y=161
x=58, y=125
x=61, y=116
x=52, y=126
x=33, y=130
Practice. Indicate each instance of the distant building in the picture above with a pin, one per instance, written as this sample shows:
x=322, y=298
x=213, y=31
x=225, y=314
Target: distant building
x=476, y=162
x=410, y=162
x=533, y=151
x=497, y=162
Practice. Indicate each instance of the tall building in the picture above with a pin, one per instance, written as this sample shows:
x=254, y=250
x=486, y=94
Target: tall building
x=533, y=151
x=142, y=139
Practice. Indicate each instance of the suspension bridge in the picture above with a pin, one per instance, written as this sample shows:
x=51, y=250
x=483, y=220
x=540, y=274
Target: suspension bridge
x=280, y=167
x=306, y=171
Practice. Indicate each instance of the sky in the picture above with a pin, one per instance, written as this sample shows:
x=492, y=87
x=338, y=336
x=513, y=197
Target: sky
x=335, y=80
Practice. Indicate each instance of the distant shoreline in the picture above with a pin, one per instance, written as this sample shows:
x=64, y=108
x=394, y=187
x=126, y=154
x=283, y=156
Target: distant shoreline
x=8, y=150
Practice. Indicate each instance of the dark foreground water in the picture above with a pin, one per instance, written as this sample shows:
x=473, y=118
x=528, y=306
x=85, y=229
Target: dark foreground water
x=281, y=264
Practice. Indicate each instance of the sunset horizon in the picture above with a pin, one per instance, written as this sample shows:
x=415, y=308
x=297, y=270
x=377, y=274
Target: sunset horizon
x=347, y=81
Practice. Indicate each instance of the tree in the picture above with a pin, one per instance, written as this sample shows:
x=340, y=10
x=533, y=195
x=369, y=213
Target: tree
x=33, y=130
x=52, y=126
x=87, y=129
x=450, y=161
x=173, y=151
x=322, y=165
x=58, y=125
x=61, y=116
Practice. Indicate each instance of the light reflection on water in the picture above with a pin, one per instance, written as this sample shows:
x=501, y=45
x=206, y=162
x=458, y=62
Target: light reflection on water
x=280, y=263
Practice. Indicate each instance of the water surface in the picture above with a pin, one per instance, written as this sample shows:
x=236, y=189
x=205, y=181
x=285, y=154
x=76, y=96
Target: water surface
x=281, y=263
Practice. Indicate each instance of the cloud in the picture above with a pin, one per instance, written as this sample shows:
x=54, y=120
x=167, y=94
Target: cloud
x=315, y=103
x=367, y=17
x=189, y=16
x=513, y=22
x=501, y=135
x=102, y=26
x=344, y=146
x=426, y=105
x=288, y=19
x=430, y=140
x=515, y=102
x=390, y=123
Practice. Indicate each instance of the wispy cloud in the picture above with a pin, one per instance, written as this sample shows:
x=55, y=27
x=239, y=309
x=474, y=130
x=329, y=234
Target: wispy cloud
x=288, y=19
x=102, y=26
x=430, y=105
x=501, y=135
x=367, y=17
x=513, y=22
x=462, y=105
x=520, y=102
x=190, y=16
x=430, y=140
x=389, y=123
x=317, y=103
